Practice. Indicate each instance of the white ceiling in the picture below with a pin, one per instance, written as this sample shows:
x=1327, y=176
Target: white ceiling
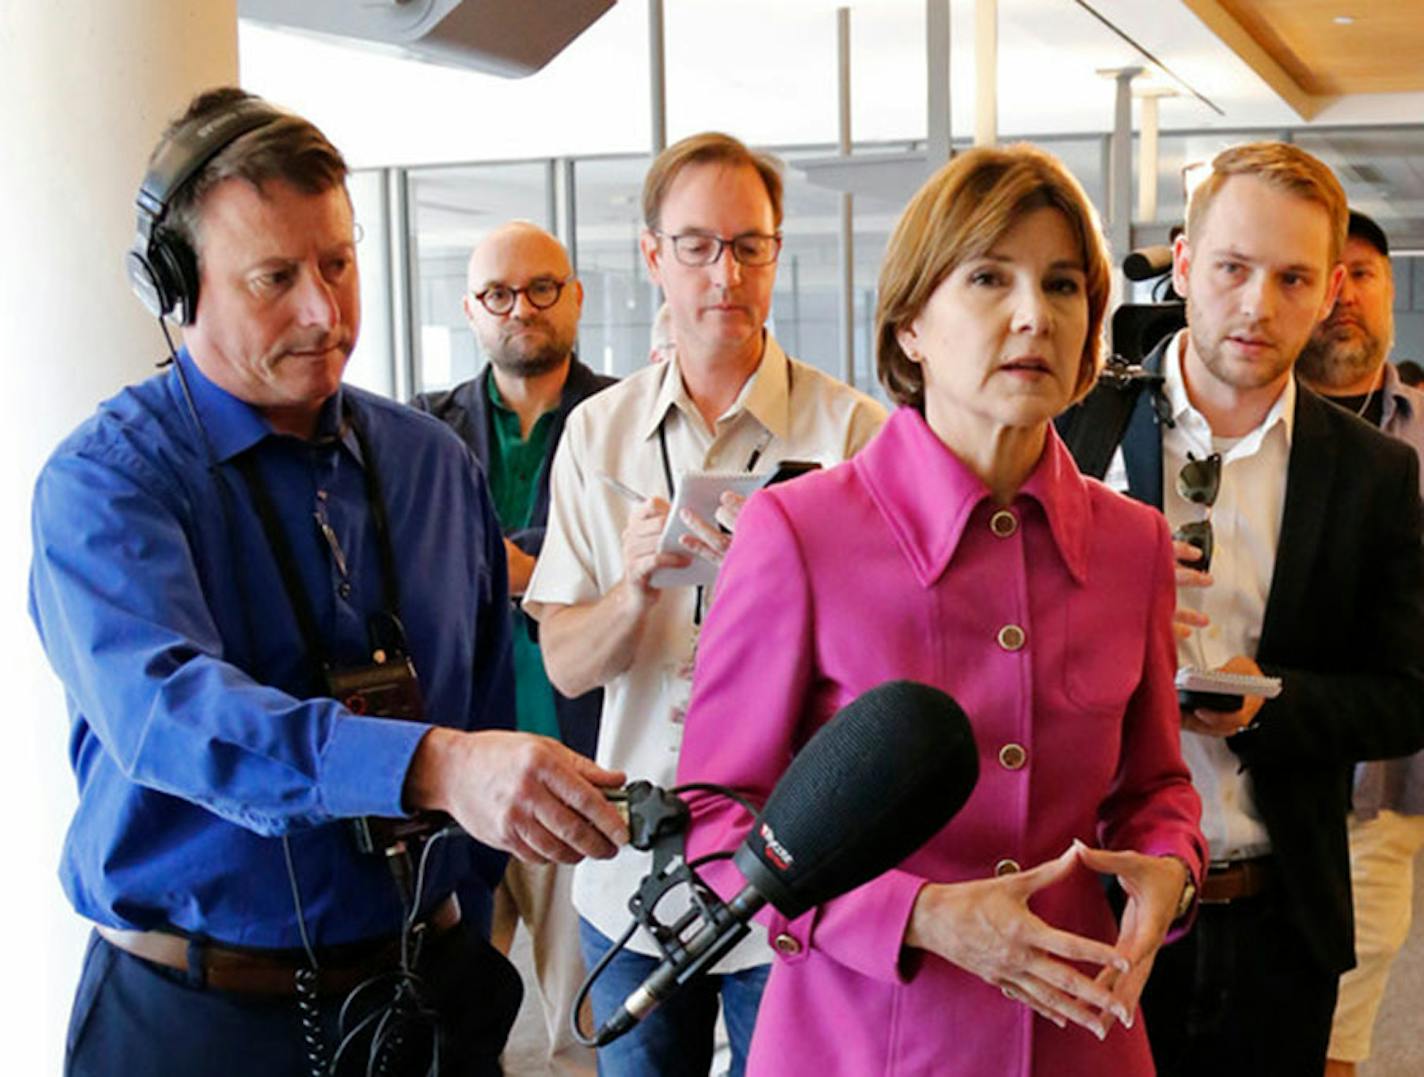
x=766, y=71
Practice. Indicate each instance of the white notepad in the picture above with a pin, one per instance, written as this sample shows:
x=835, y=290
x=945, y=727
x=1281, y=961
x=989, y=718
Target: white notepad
x=1191, y=679
x=700, y=491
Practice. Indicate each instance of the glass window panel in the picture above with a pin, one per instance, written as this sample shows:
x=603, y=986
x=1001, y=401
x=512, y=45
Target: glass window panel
x=372, y=364
x=806, y=307
x=1086, y=158
x=1382, y=172
x=618, y=299
x=1179, y=153
x=1408, y=308
x=452, y=209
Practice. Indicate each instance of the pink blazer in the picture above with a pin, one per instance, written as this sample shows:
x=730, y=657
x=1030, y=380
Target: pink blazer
x=898, y=565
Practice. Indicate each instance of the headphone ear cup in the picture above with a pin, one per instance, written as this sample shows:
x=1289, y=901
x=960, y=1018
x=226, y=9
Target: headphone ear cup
x=144, y=280
x=175, y=269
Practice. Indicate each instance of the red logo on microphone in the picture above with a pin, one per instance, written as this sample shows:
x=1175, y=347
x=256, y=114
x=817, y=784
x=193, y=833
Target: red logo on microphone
x=777, y=853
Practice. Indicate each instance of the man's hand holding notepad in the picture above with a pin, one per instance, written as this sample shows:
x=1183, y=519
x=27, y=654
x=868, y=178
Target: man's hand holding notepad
x=699, y=492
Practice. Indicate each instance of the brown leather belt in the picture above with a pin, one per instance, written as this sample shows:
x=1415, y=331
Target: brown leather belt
x=274, y=972
x=1236, y=880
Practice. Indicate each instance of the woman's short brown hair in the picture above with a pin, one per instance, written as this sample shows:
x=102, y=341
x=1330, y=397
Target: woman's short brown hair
x=959, y=214
x=710, y=147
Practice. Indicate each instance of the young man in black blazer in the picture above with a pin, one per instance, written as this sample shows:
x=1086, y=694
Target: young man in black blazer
x=1312, y=572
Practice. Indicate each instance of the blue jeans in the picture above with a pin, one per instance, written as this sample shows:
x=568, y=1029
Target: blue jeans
x=676, y=1038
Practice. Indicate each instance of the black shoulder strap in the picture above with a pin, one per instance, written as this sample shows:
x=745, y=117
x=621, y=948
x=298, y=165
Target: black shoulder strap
x=286, y=560
x=1093, y=430
x=282, y=552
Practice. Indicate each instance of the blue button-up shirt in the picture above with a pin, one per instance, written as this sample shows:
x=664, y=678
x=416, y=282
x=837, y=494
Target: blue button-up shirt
x=198, y=735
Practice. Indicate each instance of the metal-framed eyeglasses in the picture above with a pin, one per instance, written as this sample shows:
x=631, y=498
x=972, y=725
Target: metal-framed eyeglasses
x=542, y=293
x=1199, y=482
x=700, y=249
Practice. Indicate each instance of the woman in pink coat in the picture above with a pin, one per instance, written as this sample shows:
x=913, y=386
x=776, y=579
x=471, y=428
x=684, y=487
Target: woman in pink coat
x=961, y=548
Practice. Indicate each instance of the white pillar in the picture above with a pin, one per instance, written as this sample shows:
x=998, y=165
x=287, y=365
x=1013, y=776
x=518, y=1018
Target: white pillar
x=1147, y=161
x=846, y=244
x=1147, y=151
x=986, y=72
x=85, y=87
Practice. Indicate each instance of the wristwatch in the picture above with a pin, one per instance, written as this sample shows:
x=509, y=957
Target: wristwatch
x=1189, y=892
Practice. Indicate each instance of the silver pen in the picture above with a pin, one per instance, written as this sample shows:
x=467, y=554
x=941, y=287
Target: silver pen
x=621, y=488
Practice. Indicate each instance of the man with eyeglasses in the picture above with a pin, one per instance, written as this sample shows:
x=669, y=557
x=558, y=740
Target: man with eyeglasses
x=277, y=605
x=523, y=305
x=1301, y=557
x=1347, y=361
x=728, y=399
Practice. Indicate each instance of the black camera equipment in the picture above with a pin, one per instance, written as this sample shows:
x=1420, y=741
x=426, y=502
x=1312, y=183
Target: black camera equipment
x=1138, y=327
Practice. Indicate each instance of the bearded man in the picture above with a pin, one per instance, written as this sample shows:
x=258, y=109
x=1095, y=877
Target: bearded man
x=523, y=304
x=1346, y=361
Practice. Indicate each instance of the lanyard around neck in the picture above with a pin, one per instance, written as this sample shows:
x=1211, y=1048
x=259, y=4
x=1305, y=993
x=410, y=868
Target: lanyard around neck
x=667, y=459
x=672, y=489
x=281, y=548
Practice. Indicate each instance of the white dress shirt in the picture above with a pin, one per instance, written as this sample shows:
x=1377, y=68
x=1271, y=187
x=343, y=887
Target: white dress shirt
x=787, y=410
x=1246, y=523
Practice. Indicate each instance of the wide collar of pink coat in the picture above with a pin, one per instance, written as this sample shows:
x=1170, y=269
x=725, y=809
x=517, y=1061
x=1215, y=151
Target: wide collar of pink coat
x=926, y=495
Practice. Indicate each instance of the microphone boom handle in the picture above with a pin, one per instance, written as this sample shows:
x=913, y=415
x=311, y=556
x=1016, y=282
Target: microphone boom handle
x=727, y=928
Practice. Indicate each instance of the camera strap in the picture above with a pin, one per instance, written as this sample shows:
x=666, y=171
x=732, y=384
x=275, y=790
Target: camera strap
x=1094, y=429
x=281, y=548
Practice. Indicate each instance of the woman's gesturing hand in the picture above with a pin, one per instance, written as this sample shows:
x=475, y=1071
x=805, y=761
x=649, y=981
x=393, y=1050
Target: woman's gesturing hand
x=986, y=928
x=1154, y=887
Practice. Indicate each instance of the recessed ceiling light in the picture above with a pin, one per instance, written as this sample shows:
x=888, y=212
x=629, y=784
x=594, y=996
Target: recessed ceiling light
x=1344, y=20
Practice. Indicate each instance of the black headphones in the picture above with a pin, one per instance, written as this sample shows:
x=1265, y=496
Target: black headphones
x=162, y=266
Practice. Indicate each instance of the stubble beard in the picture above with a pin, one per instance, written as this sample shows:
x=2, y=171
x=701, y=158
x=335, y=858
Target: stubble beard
x=1334, y=361
x=1242, y=376
x=523, y=363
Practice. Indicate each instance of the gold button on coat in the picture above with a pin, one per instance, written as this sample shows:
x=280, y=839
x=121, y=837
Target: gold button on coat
x=1007, y=867
x=1012, y=756
x=1003, y=523
x=1011, y=637
x=787, y=945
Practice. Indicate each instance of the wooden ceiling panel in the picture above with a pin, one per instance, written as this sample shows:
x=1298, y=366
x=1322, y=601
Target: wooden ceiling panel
x=1309, y=59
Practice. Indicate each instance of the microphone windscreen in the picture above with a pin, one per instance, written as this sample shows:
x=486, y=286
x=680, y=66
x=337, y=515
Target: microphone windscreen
x=876, y=782
x=1148, y=262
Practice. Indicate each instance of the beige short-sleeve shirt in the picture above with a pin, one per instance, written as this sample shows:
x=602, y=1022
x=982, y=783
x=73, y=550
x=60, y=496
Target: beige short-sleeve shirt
x=787, y=410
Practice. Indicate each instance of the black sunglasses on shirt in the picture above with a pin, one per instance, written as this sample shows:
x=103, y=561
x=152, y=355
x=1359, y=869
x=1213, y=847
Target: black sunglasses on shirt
x=1199, y=482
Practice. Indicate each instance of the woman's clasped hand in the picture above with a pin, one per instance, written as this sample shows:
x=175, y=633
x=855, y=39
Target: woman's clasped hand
x=986, y=927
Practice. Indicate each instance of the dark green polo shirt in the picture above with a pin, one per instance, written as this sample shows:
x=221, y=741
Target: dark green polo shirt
x=513, y=474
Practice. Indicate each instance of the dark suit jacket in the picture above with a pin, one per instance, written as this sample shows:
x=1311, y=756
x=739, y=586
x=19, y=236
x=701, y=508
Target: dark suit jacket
x=1343, y=629
x=466, y=409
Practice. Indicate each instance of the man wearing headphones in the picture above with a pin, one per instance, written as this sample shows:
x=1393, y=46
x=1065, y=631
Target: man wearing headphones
x=278, y=606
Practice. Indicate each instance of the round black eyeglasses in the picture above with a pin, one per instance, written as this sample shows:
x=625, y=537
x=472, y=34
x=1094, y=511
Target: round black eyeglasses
x=542, y=294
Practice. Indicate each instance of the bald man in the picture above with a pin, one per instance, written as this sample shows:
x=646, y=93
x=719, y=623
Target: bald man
x=523, y=303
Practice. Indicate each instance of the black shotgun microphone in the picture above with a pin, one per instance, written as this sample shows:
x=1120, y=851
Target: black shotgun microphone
x=881, y=778
x=1147, y=263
